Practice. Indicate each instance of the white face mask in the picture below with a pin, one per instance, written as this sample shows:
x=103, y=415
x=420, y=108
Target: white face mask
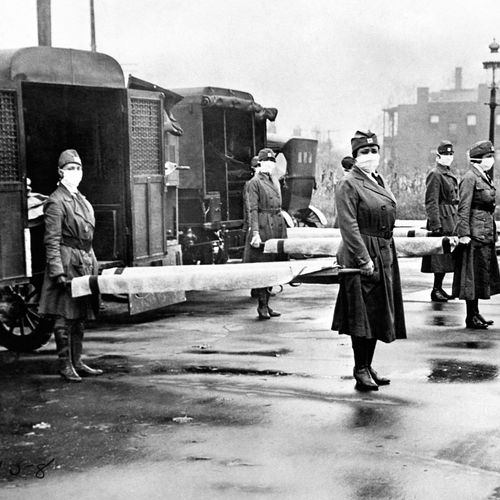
x=267, y=167
x=445, y=160
x=72, y=178
x=487, y=163
x=368, y=163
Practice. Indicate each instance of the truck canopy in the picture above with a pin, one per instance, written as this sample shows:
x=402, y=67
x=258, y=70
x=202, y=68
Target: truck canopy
x=60, y=66
x=228, y=99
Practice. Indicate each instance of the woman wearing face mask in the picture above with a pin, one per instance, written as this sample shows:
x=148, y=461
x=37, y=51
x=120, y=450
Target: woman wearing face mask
x=441, y=201
x=263, y=202
x=369, y=305
x=476, y=270
x=69, y=229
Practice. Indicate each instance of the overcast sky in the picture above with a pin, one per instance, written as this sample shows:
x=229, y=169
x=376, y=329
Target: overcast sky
x=323, y=63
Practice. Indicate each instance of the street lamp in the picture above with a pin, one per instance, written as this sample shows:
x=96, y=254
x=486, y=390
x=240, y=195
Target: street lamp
x=494, y=63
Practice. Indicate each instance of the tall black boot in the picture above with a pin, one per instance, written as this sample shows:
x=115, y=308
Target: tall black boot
x=262, y=307
x=62, y=335
x=481, y=318
x=371, y=344
x=472, y=320
x=438, y=294
x=271, y=312
x=76, y=352
x=361, y=372
x=438, y=287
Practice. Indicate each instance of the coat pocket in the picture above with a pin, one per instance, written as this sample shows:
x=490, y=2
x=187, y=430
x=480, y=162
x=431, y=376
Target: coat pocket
x=80, y=264
x=481, y=226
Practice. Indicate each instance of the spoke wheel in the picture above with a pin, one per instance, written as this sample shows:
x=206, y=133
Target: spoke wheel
x=22, y=329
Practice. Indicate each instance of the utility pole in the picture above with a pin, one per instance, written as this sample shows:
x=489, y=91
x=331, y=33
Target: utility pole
x=92, y=27
x=493, y=63
x=44, y=23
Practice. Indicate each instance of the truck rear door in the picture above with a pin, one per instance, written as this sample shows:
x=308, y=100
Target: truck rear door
x=14, y=235
x=147, y=176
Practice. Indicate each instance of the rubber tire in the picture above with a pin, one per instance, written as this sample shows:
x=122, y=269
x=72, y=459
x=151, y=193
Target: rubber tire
x=37, y=330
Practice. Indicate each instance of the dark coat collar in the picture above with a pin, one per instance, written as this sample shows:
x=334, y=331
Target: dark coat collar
x=482, y=176
x=267, y=178
x=77, y=205
x=445, y=170
x=372, y=185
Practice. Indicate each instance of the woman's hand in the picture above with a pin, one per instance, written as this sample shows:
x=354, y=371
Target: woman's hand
x=255, y=241
x=367, y=269
x=62, y=281
x=464, y=240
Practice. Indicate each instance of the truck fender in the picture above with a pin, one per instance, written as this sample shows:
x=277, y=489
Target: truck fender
x=319, y=214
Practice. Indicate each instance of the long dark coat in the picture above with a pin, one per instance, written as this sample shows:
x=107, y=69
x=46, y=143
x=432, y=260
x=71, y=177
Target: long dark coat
x=441, y=202
x=368, y=306
x=263, y=205
x=476, y=271
x=69, y=224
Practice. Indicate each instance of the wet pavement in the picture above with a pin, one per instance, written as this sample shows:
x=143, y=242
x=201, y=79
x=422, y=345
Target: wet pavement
x=203, y=401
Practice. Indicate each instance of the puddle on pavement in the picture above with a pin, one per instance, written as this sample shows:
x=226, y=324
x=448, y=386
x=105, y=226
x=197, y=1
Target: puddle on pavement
x=269, y=353
x=109, y=339
x=461, y=371
x=468, y=344
x=218, y=370
x=113, y=363
x=116, y=365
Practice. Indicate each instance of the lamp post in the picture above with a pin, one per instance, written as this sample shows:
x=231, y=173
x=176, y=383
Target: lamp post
x=494, y=63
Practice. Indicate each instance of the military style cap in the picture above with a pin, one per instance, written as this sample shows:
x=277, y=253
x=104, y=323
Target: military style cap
x=254, y=162
x=481, y=149
x=347, y=162
x=445, y=148
x=362, y=139
x=68, y=156
x=266, y=154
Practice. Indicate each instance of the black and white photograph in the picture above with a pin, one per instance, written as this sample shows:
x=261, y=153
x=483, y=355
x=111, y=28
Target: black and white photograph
x=249, y=250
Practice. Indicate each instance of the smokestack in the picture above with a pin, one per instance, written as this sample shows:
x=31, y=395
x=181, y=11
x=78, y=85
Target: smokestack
x=44, y=23
x=422, y=95
x=458, y=78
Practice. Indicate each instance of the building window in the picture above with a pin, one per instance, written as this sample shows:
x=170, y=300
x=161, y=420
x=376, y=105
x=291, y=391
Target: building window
x=497, y=120
x=452, y=128
x=471, y=120
x=434, y=119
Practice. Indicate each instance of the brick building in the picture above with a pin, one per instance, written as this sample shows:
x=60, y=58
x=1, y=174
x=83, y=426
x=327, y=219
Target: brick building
x=413, y=131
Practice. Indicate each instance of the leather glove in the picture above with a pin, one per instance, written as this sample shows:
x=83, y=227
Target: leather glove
x=62, y=281
x=255, y=241
x=437, y=232
x=464, y=240
x=367, y=269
